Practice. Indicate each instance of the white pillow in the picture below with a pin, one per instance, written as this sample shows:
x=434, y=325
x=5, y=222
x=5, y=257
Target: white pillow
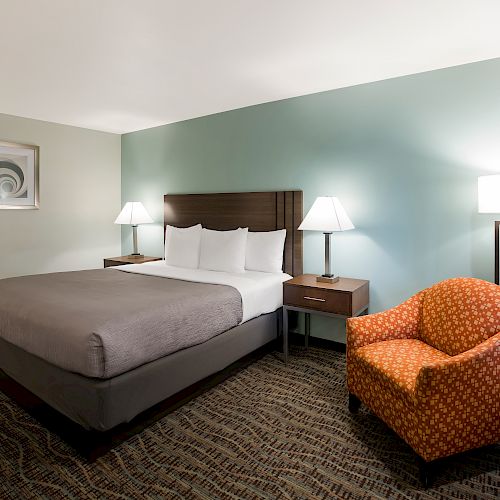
x=265, y=251
x=223, y=250
x=182, y=246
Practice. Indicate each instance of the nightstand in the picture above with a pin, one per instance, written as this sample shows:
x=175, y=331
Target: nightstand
x=128, y=259
x=346, y=298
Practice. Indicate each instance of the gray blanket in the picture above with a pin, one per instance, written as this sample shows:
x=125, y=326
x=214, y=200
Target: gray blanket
x=101, y=323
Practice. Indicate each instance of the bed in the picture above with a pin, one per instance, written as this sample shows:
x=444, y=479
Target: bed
x=109, y=383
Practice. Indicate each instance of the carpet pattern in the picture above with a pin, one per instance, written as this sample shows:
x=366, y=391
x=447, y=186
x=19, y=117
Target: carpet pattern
x=270, y=431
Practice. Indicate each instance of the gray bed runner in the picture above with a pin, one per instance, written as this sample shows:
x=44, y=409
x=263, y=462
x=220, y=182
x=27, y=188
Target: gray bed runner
x=103, y=322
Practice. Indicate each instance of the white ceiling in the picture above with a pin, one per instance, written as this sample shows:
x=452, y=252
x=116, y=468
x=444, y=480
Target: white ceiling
x=125, y=65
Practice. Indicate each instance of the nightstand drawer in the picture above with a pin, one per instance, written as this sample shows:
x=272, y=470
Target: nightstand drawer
x=319, y=299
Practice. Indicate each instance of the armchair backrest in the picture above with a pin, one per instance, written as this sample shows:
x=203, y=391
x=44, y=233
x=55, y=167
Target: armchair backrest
x=460, y=313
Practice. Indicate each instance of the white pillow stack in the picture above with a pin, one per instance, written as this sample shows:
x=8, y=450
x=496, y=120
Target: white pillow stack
x=223, y=250
x=265, y=251
x=182, y=246
x=227, y=251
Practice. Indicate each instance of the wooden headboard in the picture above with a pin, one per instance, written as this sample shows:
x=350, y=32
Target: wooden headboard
x=261, y=211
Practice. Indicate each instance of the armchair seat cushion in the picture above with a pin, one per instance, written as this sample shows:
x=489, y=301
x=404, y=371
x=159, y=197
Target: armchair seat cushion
x=398, y=362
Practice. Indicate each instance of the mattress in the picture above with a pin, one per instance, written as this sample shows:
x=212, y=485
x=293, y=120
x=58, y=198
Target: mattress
x=261, y=293
x=102, y=323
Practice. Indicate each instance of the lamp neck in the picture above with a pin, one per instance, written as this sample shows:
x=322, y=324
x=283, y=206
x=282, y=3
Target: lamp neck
x=134, y=233
x=328, y=270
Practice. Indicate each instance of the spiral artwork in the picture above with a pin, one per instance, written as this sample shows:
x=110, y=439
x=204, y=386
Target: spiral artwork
x=13, y=183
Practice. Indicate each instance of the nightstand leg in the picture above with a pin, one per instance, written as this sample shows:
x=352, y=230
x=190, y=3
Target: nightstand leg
x=279, y=325
x=285, y=335
x=308, y=329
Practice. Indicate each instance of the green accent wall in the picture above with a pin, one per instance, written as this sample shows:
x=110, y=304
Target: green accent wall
x=403, y=155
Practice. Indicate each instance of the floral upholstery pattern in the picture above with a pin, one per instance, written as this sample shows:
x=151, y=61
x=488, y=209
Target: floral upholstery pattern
x=439, y=403
x=450, y=324
x=401, y=322
x=399, y=361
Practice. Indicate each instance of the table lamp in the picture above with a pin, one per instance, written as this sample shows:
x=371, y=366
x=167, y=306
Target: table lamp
x=134, y=213
x=326, y=215
x=488, y=197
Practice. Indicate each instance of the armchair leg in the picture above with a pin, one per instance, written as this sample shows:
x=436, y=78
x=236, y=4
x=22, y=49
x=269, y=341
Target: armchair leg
x=426, y=471
x=354, y=403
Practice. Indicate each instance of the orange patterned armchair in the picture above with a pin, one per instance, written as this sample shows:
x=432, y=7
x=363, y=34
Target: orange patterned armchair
x=430, y=368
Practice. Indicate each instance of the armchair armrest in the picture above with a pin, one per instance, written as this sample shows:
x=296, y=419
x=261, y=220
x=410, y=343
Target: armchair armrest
x=480, y=364
x=400, y=322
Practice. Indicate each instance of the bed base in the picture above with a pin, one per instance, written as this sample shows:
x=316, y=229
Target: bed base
x=93, y=415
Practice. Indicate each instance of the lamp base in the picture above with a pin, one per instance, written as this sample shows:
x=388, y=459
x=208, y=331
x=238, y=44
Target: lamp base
x=327, y=279
x=135, y=255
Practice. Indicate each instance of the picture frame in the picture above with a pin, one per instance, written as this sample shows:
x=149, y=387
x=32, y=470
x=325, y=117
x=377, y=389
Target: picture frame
x=497, y=252
x=19, y=176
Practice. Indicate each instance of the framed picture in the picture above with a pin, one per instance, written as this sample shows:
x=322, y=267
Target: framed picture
x=19, y=177
x=497, y=252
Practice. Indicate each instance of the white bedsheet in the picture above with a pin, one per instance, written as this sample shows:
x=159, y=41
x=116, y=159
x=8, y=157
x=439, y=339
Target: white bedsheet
x=261, y=293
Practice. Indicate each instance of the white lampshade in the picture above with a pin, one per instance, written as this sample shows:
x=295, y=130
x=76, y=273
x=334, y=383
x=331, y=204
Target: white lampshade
x=488, y=194
x=133, y=213
x=327, y=215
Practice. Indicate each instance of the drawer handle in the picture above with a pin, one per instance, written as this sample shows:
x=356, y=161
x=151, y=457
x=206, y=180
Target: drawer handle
x=314, y=298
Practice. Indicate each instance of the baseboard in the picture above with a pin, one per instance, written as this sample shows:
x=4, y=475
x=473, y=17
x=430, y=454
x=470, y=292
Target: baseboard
x=296, y=338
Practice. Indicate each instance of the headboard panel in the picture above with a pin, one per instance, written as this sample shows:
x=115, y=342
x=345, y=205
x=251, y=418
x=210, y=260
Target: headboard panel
x=259, y=211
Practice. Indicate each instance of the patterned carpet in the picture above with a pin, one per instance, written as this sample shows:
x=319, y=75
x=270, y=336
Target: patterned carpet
x=268, y=432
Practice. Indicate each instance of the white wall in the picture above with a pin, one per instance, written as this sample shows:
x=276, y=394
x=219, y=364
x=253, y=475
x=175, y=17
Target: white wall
x=79, y=200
